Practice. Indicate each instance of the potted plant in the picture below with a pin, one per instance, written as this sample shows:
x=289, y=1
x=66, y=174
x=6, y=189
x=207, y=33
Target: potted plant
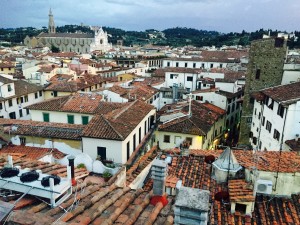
x=106, y=175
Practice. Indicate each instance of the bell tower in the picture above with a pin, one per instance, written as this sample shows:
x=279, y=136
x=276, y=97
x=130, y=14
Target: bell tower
x=51, y=25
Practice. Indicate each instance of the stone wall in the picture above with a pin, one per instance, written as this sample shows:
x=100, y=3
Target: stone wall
x=265, y=69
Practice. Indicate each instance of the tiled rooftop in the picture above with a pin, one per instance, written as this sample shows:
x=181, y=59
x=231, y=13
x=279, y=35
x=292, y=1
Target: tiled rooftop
x=89, y=103
x=99, y=205
x=118, y=124
x=284, y=93
x=42, y=129
x=31, y=153
x=202, y=118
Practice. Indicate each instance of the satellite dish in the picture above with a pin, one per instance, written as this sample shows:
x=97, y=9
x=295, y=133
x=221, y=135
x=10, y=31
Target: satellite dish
x=46, y=180
x=29, y=176
x=209, y=159
x=9, y=172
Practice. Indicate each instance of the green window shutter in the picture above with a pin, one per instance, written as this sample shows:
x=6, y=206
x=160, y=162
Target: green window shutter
x=85, y=120
x=71, y=119
x=46, y=117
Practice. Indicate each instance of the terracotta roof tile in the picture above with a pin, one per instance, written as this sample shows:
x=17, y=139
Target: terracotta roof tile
x=240, y=191
x=42, y=129
x=34, y=153
x=118, y=124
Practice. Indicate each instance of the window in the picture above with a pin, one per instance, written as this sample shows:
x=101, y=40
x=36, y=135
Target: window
x=27, y=111
x=254, y=140
x=194, y=65
x=10, y=103
x=46, y=117
x=255, y=111
x=40, y=93
x=1, y=107
x=240, y=208
x=249, y=119
x=189, y=79
x=9, y=88
x=171, y=76
x=216, y=133
x=21, y=112
x=202, y=65
x=211, y=65
x=54, y=93
x=199, y=98
x=177, y=140
x=140, y=135
x=177, y=64
x=134, y=142
x=251, y=100
x=84, y=120
x=22, y=99
x=22, y=140
x=185, y=64
x=167, y=138
x=221, y=65
x=250, y=134
x=259, y=115
x=189, y=140
x=276, y=135
x=101, y=152
x=128, y=150
x=269, y=126
x=12, y=115
x=70, y=119
x=280, y=111
x=168, y=64
x=257, y=74
x=26, y=98
x=263, y=120
x=36, y=95
x=271, y=104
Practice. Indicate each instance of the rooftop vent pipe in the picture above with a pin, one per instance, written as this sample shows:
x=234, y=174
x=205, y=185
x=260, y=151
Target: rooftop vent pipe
x=71, y=159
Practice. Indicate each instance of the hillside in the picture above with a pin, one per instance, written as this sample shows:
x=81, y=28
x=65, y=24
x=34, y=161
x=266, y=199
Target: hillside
x=179, y=36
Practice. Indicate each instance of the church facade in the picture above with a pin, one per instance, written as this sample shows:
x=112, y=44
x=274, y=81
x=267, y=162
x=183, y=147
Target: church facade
x=69, y=42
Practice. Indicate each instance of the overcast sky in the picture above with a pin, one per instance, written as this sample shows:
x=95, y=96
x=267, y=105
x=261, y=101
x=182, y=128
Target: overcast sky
x=218, y=15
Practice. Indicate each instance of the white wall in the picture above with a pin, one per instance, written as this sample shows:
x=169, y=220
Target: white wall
x=6, y=109
x=190, y=64
x=114, y=97
x=117, y=150
x=213, y=98
x=177, y=138
x=290, y=76
x=292, y=125
x=287, y=183
x=58, y=117
x=181, y=80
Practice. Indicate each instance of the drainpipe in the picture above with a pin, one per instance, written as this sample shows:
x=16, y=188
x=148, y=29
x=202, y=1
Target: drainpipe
x=280, y=150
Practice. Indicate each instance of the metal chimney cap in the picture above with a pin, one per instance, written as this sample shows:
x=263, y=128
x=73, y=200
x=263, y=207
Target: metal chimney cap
x=70, y=157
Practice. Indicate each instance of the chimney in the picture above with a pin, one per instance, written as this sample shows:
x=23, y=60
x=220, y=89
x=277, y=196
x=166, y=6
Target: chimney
x=191, y=206
x=71, y=164
x=159, y=171
x=297, y=137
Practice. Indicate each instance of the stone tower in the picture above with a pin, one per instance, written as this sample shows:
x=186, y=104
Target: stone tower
x=265, y=69
x=51, y=25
